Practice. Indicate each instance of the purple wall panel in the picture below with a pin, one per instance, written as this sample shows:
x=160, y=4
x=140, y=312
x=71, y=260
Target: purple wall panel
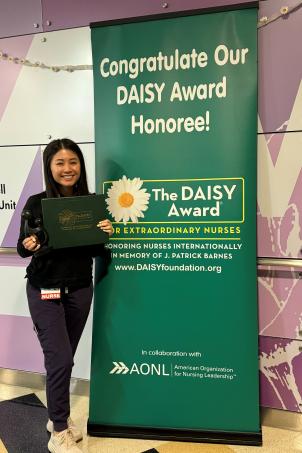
x=18, y=47
x=279, y=235
x=280, y=185
x=280, y=64
x=13, y=260
x=280, y=308
x=77, y=13
x=17, y=17
x=281, y=373
x=20, y=348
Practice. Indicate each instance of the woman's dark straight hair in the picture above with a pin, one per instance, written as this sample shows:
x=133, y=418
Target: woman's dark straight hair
x=52, y=188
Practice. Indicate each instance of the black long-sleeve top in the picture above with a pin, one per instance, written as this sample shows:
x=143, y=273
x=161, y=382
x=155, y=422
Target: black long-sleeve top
x=70, y=267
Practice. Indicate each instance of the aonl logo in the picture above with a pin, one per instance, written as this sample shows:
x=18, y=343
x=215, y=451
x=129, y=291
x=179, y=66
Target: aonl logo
x=145, y=369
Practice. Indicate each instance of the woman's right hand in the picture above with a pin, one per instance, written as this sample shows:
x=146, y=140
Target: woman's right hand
x=31, y=243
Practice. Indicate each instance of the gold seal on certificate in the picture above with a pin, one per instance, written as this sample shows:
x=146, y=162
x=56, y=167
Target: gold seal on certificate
x=72, y=221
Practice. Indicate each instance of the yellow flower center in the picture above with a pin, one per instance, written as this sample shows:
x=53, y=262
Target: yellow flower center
x=126, y=199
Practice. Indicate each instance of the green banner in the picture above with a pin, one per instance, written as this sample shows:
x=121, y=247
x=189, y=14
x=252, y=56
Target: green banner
x=175, y=340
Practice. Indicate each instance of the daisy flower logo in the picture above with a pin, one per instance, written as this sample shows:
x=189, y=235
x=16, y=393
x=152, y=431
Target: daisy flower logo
x=127, y=200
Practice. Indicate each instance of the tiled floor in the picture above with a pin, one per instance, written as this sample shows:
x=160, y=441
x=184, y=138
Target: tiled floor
x=274, y=440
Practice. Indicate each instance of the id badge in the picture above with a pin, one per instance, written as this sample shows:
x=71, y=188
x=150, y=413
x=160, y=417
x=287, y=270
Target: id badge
x=50, y=293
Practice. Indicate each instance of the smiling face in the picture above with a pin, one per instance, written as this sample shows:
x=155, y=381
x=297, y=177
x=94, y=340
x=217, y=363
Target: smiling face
x=66, y=170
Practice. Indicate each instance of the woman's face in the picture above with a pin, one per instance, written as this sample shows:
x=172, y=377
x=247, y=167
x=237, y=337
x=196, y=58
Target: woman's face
x=66, y=169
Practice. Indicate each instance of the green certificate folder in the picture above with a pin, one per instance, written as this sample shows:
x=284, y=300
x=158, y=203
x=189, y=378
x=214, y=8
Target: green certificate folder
x=71, y=221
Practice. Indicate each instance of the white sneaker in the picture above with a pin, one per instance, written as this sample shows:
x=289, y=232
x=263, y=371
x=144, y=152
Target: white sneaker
x=62, y=442
x=76, y=433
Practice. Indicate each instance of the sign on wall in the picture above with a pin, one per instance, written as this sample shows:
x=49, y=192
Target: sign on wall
x=21, y=176
x=175, y=320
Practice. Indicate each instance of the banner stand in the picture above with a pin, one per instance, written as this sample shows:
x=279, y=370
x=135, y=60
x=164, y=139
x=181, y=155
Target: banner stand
x=179, y=435
x=175, y=327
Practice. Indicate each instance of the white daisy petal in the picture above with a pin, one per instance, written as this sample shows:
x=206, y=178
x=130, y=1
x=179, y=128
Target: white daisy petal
x=126, y=199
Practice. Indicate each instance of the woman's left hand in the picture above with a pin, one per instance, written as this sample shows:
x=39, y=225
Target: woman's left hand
x=106, y=226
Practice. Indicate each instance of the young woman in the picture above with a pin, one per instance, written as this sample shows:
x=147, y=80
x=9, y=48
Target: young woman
x=59, y=323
